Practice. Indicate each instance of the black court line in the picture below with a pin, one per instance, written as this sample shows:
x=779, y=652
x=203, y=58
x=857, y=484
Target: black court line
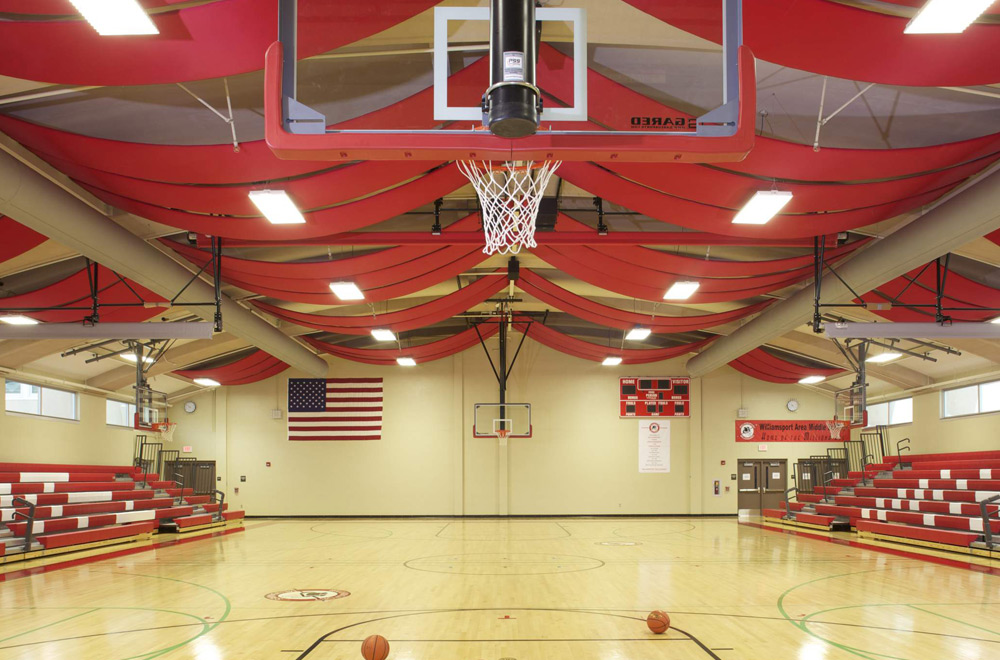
x=591, y=611
x=325, y=638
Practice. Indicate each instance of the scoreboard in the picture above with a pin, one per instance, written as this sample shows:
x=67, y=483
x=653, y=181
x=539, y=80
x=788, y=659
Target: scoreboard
x=654, y=397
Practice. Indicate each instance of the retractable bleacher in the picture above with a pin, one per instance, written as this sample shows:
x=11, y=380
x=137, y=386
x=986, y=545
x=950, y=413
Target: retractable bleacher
x=74, y=507
x=945, y=501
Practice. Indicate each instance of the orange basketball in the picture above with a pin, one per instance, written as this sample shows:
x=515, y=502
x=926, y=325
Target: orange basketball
x=658, y=621
x=375, y=647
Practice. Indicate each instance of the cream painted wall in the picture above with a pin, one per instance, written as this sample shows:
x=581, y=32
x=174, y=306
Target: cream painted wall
x=931, y=433
x=34, y=439
x=582, y=459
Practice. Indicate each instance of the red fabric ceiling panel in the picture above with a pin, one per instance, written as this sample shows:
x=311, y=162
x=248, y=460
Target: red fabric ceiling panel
x=75, y=291
x=995, y=237
x=435, y=350
x=16, y=239
x=589, y=351
x=341, y=183
x=386, y=291
x=630, y=284
x=716, y=219
x=254, y=367
x=834, y=39
x=918, y=288
x=419, y=316
x=217, y=39
x=584, y=308
x=345, y=217
x=761, y=365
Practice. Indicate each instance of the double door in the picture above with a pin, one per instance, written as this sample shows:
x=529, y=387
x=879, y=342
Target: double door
x=762, y=483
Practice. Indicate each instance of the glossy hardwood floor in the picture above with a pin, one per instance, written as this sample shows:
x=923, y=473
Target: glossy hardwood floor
x=552, y=589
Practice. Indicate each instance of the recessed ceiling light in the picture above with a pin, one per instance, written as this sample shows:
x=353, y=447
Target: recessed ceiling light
x=946, y=16
x=406, y=362
x=638, y=334
x=115, y=17
x=131, y=358
x=612, y=361
x=347, y=291
x=763, y=206
x=207, y=382
x=881, y=358
x=18, y=320
x=383, y=334
x=681, y=290
x=277, y=207
x=812, y=380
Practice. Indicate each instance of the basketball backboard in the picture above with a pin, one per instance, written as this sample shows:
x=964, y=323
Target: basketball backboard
x=591, y=112
x=488, y=418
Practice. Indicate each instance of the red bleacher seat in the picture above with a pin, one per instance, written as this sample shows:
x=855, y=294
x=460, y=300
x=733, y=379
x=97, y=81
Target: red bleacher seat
x=179, y=492
x=844, y=483
x=65, y=467
x=939, y=484
x=829, y=490
x=958, y=473
x=87, y=509
x=73, y=498
x=958, y=456
x=946, y=537
x=174, y=512
x=31, y=477
x=925, y=494
x=814, y=519
x=927, y=506
x=809, y=497
x=82, y=522
x=233, y=515
x=65, y=487
x=50, y=541
x=192, y=521
x=198, y=499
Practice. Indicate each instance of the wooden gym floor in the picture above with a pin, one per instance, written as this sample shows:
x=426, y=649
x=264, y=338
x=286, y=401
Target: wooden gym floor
x=552, y=589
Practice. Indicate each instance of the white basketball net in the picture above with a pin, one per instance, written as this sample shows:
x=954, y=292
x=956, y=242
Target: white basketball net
x=509, y=197
x=835, y=428
x=166, y=431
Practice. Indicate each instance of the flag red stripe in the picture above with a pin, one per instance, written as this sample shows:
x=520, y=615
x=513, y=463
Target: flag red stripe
x=359, y=418
x=316, y=438
x=335, y=428
x=353, y=380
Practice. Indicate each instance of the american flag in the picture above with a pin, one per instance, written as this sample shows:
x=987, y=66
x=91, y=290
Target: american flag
x=334, y=408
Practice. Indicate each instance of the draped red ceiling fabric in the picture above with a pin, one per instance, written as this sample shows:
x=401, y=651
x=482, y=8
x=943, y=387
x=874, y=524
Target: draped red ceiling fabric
x=831, y=38
x=256, y=366
x=16, y=239
x=581, y=307
x=434, y=350
x=835, y=189
x=563, y=343
x=761, y=365
x=75, y=291
x=995, y=237
x=918, y=288
x=213, y=40
x=418, y=316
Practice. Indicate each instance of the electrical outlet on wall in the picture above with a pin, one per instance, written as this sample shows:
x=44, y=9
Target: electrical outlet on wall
x=276, y=413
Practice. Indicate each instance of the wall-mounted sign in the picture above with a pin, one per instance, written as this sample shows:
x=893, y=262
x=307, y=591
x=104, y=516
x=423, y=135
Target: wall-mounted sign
x=654, y=397
x=654, y=445
x=782, y=431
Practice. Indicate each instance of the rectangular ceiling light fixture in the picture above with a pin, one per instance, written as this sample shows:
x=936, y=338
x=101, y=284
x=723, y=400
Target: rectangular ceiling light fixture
x=996, y=320
x=277, y=207
x=946, y=16
x=115, y=17
x=18, y=320
x=812, y=380
x=347, y=291
x=681, y=290
x=406, y=362
x=763, y=206
x=638, y=333
x=207, y=382
x=131, y=358
x=612, y=361
x=383, y=334
x=882, y=358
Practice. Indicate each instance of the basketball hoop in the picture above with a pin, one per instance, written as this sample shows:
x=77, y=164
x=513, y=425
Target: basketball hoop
x=165, y=430
x=509, y=195
x=502, y=435
x=835, y=427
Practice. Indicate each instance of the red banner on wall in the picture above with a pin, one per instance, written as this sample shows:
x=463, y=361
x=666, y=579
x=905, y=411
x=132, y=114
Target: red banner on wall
x=783, y=430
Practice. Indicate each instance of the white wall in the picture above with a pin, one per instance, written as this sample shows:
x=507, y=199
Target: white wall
x=932, y=433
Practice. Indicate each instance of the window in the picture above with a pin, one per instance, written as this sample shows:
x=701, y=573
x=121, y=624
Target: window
x=971, y=400
x=36, y=400
x=888, y=413
x=120, y=413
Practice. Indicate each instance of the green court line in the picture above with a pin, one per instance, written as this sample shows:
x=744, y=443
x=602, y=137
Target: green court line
x=26, y=632
x=964, y=623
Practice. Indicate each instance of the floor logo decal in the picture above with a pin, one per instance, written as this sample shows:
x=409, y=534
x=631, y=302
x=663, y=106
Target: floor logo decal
x=307, y=595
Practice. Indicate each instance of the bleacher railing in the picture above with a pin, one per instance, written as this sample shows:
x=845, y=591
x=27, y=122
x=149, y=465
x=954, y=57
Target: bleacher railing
x=220, y=498
x=900, y=448
x=28, y=517
x=788, y=507
x=984, y=512
x=876, y=441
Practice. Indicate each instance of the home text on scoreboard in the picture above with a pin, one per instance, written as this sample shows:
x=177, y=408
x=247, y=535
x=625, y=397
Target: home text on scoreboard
x=654, y=397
